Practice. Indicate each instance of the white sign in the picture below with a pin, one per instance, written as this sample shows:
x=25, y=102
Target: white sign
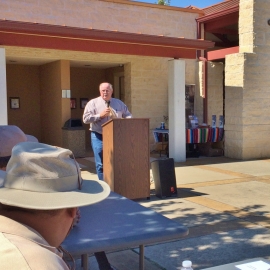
x=258, y=265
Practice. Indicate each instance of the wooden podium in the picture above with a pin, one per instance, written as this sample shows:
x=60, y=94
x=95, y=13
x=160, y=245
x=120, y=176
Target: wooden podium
x=126, y=158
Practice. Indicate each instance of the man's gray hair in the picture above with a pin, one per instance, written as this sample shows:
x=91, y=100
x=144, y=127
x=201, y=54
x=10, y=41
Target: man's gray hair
x=108, y=84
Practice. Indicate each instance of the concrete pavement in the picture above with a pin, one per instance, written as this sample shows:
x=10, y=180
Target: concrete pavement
x=224, y=203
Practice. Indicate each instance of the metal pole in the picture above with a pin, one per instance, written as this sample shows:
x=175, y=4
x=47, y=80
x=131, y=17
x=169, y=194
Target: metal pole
x=141, y=257
x=84, y=261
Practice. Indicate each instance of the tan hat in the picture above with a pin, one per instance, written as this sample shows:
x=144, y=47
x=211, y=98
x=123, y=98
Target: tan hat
x=45, y=177
x=11, y=135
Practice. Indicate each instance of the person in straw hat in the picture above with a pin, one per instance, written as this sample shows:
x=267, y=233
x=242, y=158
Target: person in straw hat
x=39, y=196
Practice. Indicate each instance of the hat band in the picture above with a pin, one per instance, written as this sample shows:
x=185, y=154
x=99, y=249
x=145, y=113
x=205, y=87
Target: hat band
x=45, y=185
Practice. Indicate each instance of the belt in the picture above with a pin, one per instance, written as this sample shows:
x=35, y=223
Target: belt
x=96, y=133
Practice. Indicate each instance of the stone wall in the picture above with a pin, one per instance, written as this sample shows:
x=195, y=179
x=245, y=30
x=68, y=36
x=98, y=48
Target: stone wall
x=247, y=92
x=150, y=88
x=246, y=27
x=234, y=74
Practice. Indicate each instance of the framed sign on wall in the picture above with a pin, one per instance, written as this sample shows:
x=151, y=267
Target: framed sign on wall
x=73, y=103
x=83, y=102
x=14, y=103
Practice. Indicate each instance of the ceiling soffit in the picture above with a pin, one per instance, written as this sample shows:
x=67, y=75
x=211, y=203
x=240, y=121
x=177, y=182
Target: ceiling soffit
x=221, y=26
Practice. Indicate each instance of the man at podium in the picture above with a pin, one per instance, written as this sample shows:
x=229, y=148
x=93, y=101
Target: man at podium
x=97, y=112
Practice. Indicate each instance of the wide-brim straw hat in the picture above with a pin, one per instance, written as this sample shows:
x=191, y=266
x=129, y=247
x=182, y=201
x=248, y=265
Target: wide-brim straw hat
x=45, y=177
x=10, y=135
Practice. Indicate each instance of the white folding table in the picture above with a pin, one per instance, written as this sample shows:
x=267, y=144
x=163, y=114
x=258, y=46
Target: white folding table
x=118, y=223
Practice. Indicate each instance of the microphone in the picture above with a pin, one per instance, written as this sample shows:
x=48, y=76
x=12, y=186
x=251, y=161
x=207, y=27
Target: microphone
x=108, y=103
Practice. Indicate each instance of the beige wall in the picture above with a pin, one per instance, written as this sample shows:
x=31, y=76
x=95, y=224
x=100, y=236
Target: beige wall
x=214, y=90
x=149, y=89
x=112, y=76
x=55, y=110
x=247, y=94
x=23, y=82
x=84, y=83
x=146, y=79
x=110, y=72
x=104, y=15
x=198, y=98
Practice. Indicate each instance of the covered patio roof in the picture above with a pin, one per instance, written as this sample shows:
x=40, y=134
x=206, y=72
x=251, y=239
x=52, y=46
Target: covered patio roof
x=36, y=35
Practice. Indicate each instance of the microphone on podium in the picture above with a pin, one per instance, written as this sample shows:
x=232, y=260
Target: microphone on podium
x=112, y=112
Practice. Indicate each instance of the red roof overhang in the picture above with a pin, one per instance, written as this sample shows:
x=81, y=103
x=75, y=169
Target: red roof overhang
x=36, y=35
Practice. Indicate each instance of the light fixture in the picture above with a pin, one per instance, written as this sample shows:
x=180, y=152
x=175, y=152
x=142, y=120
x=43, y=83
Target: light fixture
x=66, y=94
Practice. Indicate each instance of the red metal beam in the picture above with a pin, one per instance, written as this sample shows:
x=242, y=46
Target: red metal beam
x=72, y=38
x=94, y=46
x=220, y=54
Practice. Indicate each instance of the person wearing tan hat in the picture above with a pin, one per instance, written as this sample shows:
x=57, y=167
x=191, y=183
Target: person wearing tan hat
x=10, y=135
x=40, y=193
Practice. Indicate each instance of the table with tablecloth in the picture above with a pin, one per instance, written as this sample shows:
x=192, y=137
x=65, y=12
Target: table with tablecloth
x=204, y=135
x=193, y=135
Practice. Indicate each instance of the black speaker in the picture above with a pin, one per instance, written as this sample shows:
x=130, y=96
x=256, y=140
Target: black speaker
x=164, y=177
